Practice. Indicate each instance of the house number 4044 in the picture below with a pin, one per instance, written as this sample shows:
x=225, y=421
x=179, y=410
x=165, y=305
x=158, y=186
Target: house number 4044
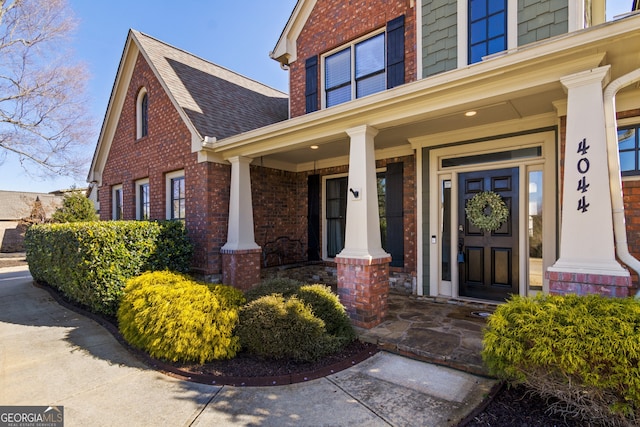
x=583, y=169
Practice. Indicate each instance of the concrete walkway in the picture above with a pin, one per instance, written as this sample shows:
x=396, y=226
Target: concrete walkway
x=52, y=356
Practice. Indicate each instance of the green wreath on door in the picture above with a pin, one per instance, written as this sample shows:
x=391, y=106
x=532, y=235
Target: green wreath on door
x=487, y=211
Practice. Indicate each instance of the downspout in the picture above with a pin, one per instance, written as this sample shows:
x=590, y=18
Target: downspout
x=615, y=179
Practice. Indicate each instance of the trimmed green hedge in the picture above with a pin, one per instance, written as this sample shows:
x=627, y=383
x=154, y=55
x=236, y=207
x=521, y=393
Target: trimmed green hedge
x=175, y=318
x=582, y=350
x=89, y=262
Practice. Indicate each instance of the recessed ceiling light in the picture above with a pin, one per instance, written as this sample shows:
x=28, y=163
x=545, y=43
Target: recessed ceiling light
x=314, y=147
x=470, y=113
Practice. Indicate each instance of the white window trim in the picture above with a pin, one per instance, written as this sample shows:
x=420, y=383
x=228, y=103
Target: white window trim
x=351, y=45
x=114, y=189
x=138, y=204
x=463, y=30
x=141, y=93
x=168, y=177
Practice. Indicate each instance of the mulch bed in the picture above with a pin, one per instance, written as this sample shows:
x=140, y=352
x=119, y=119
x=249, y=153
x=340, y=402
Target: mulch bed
x=505, y=407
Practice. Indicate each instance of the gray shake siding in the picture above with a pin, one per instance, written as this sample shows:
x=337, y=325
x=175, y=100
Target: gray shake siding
x=440, y=34
x=538, y=20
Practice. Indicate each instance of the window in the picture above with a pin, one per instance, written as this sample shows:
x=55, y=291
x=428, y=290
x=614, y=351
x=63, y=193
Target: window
x=390, y=195
x=143, y=203
x=356, y=71
x=629, y=148
x=176, y=196
x=487, y=28
x=142, y=114
x=117, y=202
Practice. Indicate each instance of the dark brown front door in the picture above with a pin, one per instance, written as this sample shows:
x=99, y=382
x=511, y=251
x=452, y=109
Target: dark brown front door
x=488, y=260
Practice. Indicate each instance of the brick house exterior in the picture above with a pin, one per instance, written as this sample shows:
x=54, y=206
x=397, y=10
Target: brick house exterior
x=400, y=113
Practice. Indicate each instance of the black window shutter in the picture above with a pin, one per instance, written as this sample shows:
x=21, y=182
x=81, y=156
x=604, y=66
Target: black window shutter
x=394, y=212
x=395, y=52
x=313, y=218
x=311, y=84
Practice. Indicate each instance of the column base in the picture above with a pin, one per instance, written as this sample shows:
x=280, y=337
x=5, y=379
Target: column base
x=363, y=288
x=241, y=268
x=580, y=283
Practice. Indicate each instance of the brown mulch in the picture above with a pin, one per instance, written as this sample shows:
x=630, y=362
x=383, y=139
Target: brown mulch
x=506, y=407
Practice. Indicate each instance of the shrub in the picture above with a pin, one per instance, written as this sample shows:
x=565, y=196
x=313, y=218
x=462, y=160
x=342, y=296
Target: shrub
x=278, y=285
x=76, y=207
x=326, y=305
x=582, y=350
x=175, y=318
x=89, y=262
x=173, y=248
x=279, y=328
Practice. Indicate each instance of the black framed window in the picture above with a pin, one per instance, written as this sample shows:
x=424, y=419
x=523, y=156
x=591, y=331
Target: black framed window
x=629, y=149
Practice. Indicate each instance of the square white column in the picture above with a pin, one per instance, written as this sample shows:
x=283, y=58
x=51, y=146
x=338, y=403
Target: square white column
x=362, y=234
x=240, y=234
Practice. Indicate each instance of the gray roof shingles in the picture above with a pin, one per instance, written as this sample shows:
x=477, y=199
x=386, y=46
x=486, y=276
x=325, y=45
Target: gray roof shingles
x=220, y=103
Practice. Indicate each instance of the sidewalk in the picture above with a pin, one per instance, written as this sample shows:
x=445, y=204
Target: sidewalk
x=52, y=356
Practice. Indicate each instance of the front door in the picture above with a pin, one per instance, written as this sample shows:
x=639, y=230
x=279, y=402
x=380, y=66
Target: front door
x=488, y=260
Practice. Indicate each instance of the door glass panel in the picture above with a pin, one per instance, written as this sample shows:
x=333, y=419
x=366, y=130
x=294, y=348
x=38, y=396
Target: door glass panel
x=336, y=212
x=446, y=231
x=535, y=229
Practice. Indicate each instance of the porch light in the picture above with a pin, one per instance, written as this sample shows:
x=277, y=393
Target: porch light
x=314, y=147
x=470, y=113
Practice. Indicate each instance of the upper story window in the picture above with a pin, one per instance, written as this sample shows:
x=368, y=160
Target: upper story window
x=142, y=114
x=176, y=195
x=629, y=148
x=356, y=71
x=487, y=28
x=361, y=68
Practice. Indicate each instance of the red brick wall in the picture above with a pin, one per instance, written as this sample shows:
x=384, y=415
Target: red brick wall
x=166, y=148
x=335, y=22
x=280, y=205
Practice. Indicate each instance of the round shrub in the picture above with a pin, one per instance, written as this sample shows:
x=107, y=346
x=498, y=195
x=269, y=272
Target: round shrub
x=326, y=305
x=582, y=350
x=175, y=318
x=277, y=285
x=279, y=328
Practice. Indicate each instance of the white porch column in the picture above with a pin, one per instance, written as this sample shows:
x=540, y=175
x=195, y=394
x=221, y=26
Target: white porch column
x=586, y=240
x=362, y=234
x=240, y=235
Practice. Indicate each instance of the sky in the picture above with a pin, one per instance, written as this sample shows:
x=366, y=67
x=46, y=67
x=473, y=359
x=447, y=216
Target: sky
x=234, y=34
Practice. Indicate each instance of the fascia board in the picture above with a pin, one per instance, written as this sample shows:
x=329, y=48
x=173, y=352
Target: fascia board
x=114, y=110
x=285, y=50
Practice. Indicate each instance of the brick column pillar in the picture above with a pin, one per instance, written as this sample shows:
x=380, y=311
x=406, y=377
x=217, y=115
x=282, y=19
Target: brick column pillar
x=240, y=255
x=363, y=288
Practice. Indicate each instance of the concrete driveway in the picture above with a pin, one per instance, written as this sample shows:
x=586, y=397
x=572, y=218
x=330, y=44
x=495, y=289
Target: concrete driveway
x=53, y=356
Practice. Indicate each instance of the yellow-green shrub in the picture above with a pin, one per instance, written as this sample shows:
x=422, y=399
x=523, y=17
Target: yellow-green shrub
x=174, y=318
x=582, y=350
x=327, y=306
x=279, y=328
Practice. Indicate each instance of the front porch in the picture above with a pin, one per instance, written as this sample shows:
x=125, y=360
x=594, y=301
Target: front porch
x=442, y=331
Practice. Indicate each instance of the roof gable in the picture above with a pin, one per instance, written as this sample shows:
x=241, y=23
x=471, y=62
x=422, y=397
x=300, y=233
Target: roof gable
x=212, y=100
x=285, y=50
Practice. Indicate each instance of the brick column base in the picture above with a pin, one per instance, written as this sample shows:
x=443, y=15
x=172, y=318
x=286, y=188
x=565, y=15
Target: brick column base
x=562, y=283
x=363, y=288
x=241, y=268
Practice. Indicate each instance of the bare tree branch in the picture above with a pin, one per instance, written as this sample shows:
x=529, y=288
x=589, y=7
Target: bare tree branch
x=43, y=113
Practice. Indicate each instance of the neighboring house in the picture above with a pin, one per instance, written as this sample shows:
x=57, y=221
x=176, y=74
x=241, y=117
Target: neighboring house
x=16, y=206
x=400, y=113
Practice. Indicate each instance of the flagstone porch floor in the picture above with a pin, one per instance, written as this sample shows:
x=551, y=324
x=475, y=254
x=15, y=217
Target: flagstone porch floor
x=437, y=330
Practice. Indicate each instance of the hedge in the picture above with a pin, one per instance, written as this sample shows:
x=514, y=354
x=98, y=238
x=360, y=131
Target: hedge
x=89, y=262
x=582, y=350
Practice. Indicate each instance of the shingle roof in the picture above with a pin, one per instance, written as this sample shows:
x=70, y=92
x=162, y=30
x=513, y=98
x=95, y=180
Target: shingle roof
x=15, y=205
x=219, y=102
